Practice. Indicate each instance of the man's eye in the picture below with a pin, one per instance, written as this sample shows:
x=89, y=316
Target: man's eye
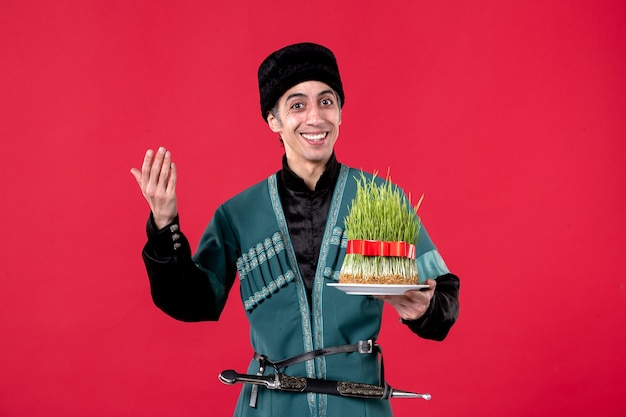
x=296, y=106
x=326, y=102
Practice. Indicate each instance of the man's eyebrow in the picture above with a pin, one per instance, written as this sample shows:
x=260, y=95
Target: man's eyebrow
x=293, y=95
x=329, y=91
x=297, y=94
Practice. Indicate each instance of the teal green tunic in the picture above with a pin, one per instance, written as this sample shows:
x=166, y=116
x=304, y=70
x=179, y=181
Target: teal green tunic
x=250, y=231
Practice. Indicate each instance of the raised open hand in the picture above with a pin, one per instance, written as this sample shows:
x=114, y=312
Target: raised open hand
x=157, y=180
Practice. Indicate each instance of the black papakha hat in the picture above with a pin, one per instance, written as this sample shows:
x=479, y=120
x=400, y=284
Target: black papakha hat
x=292, y=65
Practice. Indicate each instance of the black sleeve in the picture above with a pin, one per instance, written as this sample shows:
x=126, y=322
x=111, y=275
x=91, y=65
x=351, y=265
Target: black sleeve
x=178, y=286
x=442, y=312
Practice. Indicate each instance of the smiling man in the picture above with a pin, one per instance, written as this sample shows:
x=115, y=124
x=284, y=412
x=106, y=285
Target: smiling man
x=285, y=240
x=307, y=118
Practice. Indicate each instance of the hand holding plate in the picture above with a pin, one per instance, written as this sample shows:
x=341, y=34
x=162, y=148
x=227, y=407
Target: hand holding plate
x=413, y=303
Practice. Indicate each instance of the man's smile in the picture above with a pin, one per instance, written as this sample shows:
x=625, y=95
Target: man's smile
x=314, y=137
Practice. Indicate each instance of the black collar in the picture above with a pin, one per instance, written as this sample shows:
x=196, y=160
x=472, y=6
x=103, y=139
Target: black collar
x=327, y=180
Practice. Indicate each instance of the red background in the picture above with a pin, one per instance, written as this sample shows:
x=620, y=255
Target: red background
x=508, y=115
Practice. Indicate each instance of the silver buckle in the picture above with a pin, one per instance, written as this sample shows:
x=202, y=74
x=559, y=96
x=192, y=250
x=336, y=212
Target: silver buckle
x=366, y=346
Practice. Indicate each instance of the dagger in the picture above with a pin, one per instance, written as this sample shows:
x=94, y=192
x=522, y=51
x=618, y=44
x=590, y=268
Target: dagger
x=284, y=382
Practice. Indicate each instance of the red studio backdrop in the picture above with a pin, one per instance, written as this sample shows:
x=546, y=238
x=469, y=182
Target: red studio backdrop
x=508, y=115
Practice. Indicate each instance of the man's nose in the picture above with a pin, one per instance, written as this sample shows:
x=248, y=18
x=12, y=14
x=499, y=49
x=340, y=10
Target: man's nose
x=314, y=115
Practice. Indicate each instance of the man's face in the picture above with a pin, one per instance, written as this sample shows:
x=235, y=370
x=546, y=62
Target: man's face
x=307, y=120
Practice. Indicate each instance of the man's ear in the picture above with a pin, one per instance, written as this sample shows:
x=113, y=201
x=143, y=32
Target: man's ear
x=273, y=123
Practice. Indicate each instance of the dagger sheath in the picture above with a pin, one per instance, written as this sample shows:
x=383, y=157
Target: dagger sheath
x=321, y=386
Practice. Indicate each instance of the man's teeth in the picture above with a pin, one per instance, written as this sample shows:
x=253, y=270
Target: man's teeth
x=319, y=136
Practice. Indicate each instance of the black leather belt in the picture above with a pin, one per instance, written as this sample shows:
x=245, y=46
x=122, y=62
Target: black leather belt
x=363, y=347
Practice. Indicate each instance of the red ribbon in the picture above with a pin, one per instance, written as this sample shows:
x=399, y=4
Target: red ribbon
x=381, y=248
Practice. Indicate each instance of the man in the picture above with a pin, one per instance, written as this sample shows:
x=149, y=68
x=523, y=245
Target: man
x=284, y=238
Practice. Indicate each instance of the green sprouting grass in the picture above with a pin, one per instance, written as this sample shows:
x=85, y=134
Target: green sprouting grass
x=380, y=212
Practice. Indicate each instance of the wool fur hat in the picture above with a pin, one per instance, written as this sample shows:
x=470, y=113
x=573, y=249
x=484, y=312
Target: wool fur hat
x=292, y=65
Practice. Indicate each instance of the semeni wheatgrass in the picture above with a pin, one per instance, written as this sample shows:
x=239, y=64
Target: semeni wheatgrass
x=380, y=213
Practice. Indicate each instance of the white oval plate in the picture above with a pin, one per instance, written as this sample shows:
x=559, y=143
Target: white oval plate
x=376, y=289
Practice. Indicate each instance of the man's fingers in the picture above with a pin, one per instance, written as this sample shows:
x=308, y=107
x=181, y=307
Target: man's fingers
x=154, y=171
x=165, y=170
x=146, y=166
x=413, y=303
x=171, y=184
